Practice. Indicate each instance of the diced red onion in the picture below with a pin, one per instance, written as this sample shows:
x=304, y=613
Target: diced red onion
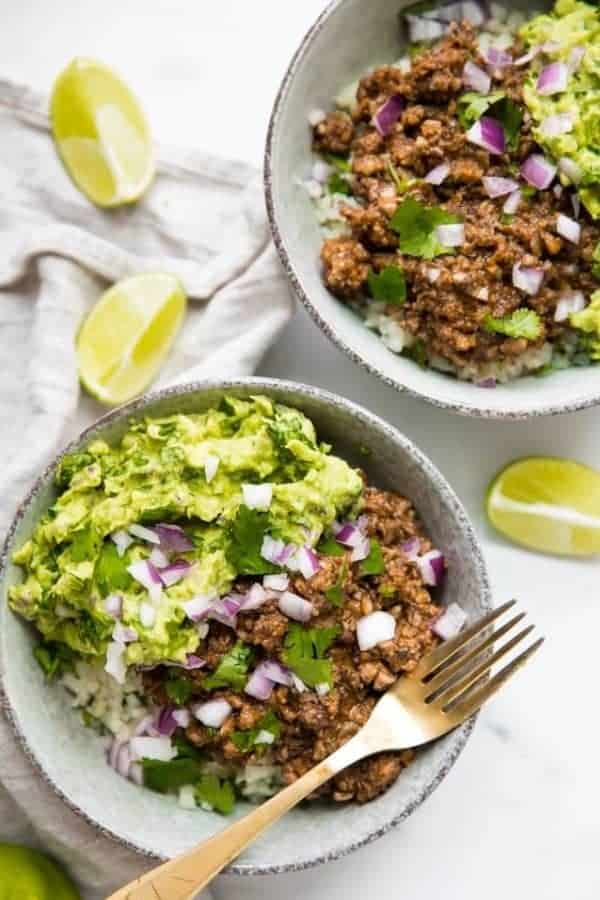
x=307, y=562
x=173, y=537
x=422, y=29
x=387, y=115
x=115, y=664
x=512, y=203
x=557, y=124
x=316, y=116
x=146, y=726
x=159, y=748
x=321, y=171
x=349, y=535
x=255, y=598
x=576, y=204
x=122, y=540
x=113, y=752
x=568, y=228
x=571, y=302
x=182, y=717
x=175, y=572
x=575, y=57
x=411, y=548
x=136, y=774
x=538, y=171
x=361, y=551
x=159, y=558
x=271, y=549
x=264, y=737
x=275, y=672
x=527, y=279
x=124, y=634
x=557, y=190
x=147, y=615
x=144, y=534
x=148, y=576
x=113, y=604
x=297, y=683
x=202, y=629
x=276, y=582
x=498, y=187
x=496, y=58
x=489, y=134
x=451, y=235
x=322, y=689
x=432, y=274
x=431, y=567
x=211, y=464
x=213, y=713
x=527, y=57
x=295, y=607
x=232, y=603
x=257, y=496
x=553, y=79
x=198, y=607
x=225, y=613
x=439, y=174
x=476, y=78
x=450, y=622
x=194, y=662
x=374, y=629
x=259, y=686
x=166, y=723
x=487, y=383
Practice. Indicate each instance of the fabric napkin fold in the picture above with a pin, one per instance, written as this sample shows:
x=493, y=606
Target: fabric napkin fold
x=203, y=219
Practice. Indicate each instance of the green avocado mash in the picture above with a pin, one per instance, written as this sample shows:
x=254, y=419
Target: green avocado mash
x=156, y=473
x=571, y=25
x=588, y=321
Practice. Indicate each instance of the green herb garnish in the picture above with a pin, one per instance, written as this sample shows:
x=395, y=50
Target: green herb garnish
x=506, y=218
x=416, y=225
x=246, y=536
x=304, y=651
x=472, y=106
x=417, y=352
x=247, y=740
x=341, y=163
x=335, y=594
x=232, y=669
x=168, y=776
x=337, y=184
x=373, y=564
x=328, y=546
x=54, y=658
x=522, y=323
x=389, y=285
x=218, y=793
x=110, y=572
x=178, y=689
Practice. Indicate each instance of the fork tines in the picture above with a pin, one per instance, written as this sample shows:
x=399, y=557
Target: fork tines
x=455, y=674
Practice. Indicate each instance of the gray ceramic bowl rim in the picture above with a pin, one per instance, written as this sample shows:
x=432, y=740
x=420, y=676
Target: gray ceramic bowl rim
x=266, y=385
x=296, y=282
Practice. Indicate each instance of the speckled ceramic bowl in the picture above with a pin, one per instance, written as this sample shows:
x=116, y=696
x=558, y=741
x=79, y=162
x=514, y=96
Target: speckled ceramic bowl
x=347, y=39
x=71, y=758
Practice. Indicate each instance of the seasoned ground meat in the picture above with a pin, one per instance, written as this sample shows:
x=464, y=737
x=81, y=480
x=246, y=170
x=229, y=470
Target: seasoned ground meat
x=314, y=723
x=451, y=297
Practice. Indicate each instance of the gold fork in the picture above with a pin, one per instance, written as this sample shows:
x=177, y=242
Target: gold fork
x=447, y=687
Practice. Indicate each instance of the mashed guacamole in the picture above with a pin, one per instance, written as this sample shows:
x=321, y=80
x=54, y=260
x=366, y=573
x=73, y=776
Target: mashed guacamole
x=221, y=481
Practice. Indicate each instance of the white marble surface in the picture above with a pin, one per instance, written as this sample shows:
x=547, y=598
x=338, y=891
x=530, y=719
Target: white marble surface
x=518, y=817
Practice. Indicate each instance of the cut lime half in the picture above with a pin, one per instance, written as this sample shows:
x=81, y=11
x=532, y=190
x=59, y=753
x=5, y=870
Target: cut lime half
x=28, y=875
x=127, y=335
x=547, y=504
x=101, y=133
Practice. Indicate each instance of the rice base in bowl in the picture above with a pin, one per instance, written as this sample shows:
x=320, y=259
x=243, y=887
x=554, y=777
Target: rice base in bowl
x=44, y=721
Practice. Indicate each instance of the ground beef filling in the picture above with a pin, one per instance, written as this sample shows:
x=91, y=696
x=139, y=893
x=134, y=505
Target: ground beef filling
x=449, y=297
x=313, y=726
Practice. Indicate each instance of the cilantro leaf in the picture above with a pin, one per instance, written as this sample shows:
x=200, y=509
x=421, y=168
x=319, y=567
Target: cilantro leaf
x=54, y=658
x=373, y=564
x=110, y=572
x=388, y=285
x=522, y=323
x=472, y=106
x=232, y=669
x=335, y=594
x=168, y=776
x=341, y=163
x=416, y=224
x=417, y=353
x=304, y=649
x=246, y=536
x=215, y=792
x=510, y=116
x=185, y=749
x=328, y=546
x=336, y=184
x=178, y=689
x=247, y=740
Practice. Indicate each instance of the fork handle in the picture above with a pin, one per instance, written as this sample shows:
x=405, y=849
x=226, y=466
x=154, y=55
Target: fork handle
x=181, y=878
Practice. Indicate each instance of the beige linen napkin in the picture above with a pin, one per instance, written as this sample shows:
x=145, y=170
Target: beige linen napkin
x=204, y=220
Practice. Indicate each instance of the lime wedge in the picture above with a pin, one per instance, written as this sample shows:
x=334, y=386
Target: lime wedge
x=127, y=335
x=548, y=504
x=101, y=133
x=28, y=875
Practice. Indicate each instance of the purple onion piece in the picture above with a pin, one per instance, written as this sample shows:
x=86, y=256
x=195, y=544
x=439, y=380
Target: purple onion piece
x=173, y=537
x=165, y=722
x=387, y=115
x=489, y=134
x=259, y=686
x=553, y=79
x=538, y=171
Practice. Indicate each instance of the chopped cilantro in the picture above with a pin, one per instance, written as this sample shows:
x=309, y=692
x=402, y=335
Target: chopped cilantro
x=54, y=658
x=472, y=106
x=185, y=749
x=522, y=323
x=416, y=224
x=528, y=190
x=178, y=689
x=215, y=792
x=417, y=353
x=246, y=536
x=304, y=653
x=401, y=184
x=328, y=546
x=373, y=564
x=387, y=591
x=110, y=572
x=246, y=740
x=232, y=669
x=341, y=163
x=168, y=776
x=415, y=50
x=506, y=218
x=388, y=285
x=337, y=184
x=335, y=594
